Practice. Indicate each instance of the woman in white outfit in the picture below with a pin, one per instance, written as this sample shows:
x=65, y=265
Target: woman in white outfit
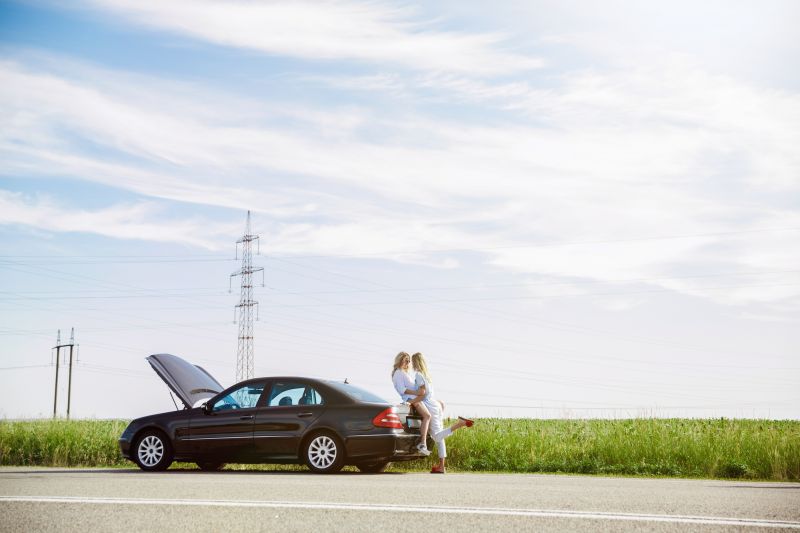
x=424, y=385
x=403, y=381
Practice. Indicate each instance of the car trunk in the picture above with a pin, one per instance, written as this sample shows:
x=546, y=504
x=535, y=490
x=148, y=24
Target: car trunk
x=409, y=418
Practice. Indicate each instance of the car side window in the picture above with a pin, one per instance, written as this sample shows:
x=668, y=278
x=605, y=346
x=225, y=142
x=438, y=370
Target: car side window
x=286, y=393
x=240, y=398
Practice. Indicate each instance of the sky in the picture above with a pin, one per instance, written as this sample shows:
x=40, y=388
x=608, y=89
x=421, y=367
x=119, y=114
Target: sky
x=573, y=209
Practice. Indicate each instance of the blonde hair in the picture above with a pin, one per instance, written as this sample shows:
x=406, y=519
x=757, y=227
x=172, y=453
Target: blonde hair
x=398, y=361
x=418, y=360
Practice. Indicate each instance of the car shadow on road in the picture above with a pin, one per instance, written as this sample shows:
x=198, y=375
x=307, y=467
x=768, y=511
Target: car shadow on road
x=67, y=470
x=195, y=471
x=274, y=472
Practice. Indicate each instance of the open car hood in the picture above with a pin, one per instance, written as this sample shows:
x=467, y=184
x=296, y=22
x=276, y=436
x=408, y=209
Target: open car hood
x=191, y=383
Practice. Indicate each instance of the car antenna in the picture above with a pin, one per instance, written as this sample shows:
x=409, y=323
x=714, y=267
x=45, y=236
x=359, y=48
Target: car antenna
x=346, y=382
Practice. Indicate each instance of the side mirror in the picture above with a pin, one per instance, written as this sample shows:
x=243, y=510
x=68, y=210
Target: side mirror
x=206, y=408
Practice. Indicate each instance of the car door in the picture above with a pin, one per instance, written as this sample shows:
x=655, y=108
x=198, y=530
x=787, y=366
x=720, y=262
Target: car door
x=223, y=431
x=286, y=413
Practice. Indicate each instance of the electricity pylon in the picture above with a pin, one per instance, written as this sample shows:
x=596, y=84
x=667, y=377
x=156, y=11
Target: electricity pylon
x=244, y=355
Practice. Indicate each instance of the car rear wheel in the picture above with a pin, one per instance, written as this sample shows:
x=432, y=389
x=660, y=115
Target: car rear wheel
x=210, y=466
x=324, y=453
x=373, y=468
x=153, y=451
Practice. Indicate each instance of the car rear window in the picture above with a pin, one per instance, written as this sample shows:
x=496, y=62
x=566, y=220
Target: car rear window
x=356, y=393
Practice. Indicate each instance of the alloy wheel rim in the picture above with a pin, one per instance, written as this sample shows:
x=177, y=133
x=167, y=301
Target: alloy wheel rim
x=322, y=452
x=151, y=450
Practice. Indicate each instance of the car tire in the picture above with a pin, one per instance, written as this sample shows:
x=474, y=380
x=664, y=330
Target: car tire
x=153, y=451
x=323, y=452
x=373, y=468
x=209, y=466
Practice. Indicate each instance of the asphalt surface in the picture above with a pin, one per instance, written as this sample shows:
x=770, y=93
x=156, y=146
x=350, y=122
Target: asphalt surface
x=49, y=499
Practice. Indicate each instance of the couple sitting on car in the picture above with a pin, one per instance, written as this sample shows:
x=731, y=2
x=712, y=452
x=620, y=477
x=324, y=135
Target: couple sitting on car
x=414, y=385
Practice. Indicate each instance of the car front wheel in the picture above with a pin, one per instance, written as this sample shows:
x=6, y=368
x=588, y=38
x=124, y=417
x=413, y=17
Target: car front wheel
x=324, y=453
x=153, y=451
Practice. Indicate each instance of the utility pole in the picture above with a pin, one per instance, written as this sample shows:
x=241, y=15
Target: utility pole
x=57, y=348
x=245, y=356
x=69, y=387
x=58, y=352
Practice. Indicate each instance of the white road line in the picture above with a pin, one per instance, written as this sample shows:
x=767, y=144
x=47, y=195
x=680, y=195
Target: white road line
x=533, y=513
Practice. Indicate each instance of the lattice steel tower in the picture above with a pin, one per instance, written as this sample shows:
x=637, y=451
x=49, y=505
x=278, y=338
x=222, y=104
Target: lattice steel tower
x=244, y=355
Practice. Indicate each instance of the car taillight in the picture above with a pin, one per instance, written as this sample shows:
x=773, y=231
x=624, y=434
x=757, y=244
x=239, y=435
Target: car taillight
x=387, y=419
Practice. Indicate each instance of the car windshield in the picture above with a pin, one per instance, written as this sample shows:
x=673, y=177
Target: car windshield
x=356, y=393
x=240, y=398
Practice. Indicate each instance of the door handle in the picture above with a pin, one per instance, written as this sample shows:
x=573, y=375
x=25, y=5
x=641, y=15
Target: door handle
x=248, y=417
x=304, y=415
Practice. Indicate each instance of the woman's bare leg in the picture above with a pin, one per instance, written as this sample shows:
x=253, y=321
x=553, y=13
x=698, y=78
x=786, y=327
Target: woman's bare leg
x=426, y=421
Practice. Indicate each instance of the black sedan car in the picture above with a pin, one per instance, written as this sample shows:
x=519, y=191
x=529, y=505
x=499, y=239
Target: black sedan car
x=324, y=424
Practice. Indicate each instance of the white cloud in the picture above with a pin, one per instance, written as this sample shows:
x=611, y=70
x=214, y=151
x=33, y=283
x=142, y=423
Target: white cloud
x=374, y=32
x=635, y=199
x=745, y=40
x=599, y=157
x=141, y=221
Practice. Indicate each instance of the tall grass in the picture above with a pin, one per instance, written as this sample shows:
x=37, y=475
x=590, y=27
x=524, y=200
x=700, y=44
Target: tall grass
x=718, y=448
x=61, y=442
x=715, y=448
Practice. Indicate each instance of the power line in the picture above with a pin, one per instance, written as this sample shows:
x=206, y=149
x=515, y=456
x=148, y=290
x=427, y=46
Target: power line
x=417, y=301
x=107, y=297
x=537, y=245
x=531, y=284
x=190, y=325
x=481, y=370
x=471, y=311
x=395, y=317
x=215, y=257
x=193, y=324
x=638, y=339
x=536, y=297
x=116, y=261
x=159, y=291
x=526, y=348
x=108, y=256
x=484, y=311
x=625, y=408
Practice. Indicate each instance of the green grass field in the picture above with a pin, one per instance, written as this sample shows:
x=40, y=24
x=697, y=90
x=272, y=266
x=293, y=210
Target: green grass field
x=716, y=448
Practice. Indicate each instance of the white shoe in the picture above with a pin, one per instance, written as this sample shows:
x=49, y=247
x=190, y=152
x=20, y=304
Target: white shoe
x=421, y=448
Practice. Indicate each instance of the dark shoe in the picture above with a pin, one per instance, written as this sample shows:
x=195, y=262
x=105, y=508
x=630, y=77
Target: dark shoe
x=437, y=470
x=469, y=422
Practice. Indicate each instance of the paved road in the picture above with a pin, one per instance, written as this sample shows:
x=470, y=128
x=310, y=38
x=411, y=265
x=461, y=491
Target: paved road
x=48, y=499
